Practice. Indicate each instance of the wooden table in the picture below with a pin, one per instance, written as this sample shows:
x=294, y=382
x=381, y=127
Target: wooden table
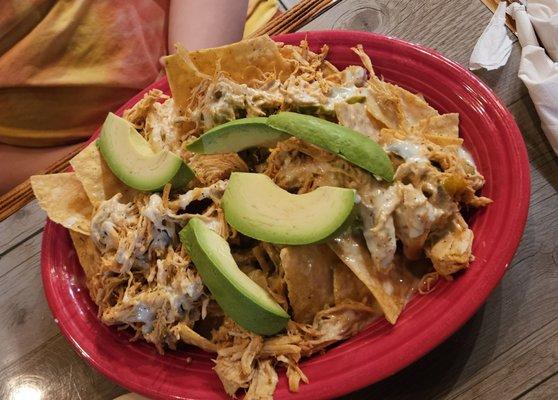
x=508, y=350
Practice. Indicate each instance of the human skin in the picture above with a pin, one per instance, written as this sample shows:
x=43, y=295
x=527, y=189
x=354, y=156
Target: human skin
x=198, y=24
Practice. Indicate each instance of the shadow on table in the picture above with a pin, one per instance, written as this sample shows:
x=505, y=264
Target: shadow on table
x=440, y=370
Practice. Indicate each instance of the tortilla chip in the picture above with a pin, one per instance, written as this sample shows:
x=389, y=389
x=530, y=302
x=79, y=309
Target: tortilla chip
x=391, y=289
x=356, y=117
x=346, y=286
x=97, y=179
x=88, y=255
x=439, y=125
x=90, y=259
x=442, y=140
x=414, y=107
x=243, y=61
x=183, y=76
x=64, y=200
x=309, y=277
x=388, y=135
x=384, y=106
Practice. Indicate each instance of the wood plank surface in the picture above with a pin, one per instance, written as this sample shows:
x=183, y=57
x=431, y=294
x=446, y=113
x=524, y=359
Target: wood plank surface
x=23, y=308
x=20, y=226
x=545, y=391
x=508, y=350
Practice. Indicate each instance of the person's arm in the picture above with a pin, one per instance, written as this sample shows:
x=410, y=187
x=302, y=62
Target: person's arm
x=198, y=24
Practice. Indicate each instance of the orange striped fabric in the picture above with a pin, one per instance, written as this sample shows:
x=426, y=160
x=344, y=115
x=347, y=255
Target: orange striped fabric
x=65, y=63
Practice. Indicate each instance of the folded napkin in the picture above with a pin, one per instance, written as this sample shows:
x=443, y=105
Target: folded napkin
x=543, y=14
x=536, y=69
x=494, y=45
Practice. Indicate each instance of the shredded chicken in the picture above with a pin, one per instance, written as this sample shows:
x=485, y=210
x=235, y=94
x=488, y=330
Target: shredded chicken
x=210, y=168
x=450, y=250
x=164, y=127
x=243, y=358
x=147, y=281
x=138, y=113
x=224, y=100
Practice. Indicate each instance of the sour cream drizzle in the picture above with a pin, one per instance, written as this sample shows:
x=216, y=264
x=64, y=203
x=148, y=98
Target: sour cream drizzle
x=464, y=154
x=409, y=151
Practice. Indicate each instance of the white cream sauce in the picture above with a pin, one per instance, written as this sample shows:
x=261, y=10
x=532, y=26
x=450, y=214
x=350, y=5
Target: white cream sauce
x=378, y=225
x=145, y=315
x=415, y=214
x=352, y=88
x=163, y=228
x=465, y=155
x=409, y=151
x=110, y=218
x=210, y=192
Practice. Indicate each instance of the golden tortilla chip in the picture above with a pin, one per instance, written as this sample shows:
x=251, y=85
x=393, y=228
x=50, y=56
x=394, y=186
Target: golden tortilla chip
x=346, y=286
x=439, y=125
x=396, y=107
x=384, y=105
x=97, y=179
x=388, y=135
x=414, y=107
x=442, y=140
x=63, y=198
x=391, y=289
x=88, y=254
x=309, y=277
x=183, y=76
x=243, y=61
x=90, y=259
x=356, y=117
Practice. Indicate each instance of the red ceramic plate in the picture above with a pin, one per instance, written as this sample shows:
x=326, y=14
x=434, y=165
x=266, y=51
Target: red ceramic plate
x=494, y=140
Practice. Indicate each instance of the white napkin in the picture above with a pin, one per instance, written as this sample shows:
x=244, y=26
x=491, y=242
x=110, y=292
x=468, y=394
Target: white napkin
x=538, y=71
x=544, y=17
x=494, y=46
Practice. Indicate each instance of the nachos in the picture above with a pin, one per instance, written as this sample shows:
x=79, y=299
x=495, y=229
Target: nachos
x=398, y=188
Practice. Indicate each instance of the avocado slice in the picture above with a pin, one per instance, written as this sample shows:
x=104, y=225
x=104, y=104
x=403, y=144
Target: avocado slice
x=237, y=135
x=133, y=161
x=241, y=299
x=255, y=206
x=348, y=144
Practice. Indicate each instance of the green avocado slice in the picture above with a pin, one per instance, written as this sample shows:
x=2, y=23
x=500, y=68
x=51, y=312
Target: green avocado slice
x=241, y=299
x=236, y=136
x=348, y=144
x=255, y=206
x=131, y=158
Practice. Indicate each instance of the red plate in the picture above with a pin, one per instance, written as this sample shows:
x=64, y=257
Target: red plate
x=495, y=142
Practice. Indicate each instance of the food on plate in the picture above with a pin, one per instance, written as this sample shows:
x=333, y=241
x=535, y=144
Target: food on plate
x=237, y=135
x=133, y=161
x=387, y=175
x=353, y=146
x=258, y=208
x=241, y=299
x=63, y=198
x=245, y=133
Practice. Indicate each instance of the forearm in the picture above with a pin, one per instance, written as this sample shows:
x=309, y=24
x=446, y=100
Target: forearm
x=198, y=24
